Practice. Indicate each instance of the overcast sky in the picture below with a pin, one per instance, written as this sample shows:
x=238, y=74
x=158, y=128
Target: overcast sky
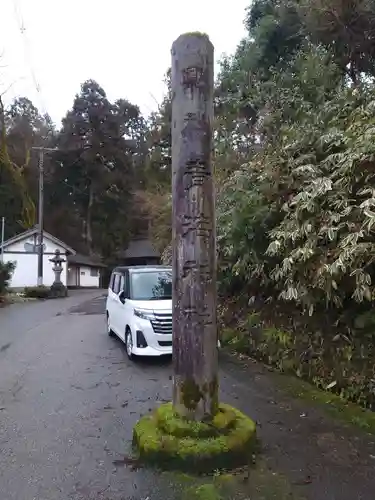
x=123, y=44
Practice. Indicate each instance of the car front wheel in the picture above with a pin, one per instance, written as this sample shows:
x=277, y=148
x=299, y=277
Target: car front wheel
x=129, y=344
x=109, y=329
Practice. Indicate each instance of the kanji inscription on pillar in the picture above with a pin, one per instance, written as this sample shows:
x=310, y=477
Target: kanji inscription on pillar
x=193, y=224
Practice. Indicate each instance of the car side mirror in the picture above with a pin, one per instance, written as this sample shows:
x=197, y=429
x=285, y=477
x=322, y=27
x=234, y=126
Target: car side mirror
x=122, y=296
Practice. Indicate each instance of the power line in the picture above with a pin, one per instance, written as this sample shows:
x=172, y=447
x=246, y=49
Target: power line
x=27, y=52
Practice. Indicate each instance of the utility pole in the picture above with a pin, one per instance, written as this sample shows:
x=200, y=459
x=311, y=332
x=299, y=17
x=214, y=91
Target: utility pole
x=40, y=217
x=41, y=150
x=2, y=238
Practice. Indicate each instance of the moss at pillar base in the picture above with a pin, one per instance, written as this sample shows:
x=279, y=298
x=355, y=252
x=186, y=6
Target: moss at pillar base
x=165, y=439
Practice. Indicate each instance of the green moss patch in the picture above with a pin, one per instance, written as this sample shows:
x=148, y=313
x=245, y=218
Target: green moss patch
x=330, y=403
x=168, y=440
x=256, y=482
x=199, y=34
x=338, y=380
x=169, y=423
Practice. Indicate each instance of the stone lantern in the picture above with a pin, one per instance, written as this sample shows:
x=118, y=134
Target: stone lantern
x=58, y=289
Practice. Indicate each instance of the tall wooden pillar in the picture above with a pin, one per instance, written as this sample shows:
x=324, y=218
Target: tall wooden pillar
x=195, y=355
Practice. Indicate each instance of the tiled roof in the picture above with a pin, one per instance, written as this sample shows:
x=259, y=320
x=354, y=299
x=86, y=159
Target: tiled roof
x=140, y=248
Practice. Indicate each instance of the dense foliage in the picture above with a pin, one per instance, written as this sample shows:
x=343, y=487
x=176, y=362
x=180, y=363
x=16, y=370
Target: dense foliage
x=95, y=167
x=297, y=215
x=37, y=292
x=6, y=270
x=296, y=218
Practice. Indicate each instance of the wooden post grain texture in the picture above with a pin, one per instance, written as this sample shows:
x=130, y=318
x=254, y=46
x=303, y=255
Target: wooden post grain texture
x=195, y=355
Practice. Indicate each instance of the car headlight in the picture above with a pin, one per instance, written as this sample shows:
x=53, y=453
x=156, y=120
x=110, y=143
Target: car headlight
x=144, y=314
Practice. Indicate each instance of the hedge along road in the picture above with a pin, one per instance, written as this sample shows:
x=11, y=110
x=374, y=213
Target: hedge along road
x=69, y=399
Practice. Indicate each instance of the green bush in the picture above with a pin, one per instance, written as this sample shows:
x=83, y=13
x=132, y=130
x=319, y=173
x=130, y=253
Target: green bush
x=37, y=292
x=6, y=271
x=298, y=220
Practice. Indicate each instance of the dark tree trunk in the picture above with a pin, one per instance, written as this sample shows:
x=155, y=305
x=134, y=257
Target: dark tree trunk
x=89, y=219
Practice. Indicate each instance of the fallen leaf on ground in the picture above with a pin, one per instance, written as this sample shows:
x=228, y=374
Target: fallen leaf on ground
x=129, y=461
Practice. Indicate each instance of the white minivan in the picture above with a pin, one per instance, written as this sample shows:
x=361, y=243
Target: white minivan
x=139, y=309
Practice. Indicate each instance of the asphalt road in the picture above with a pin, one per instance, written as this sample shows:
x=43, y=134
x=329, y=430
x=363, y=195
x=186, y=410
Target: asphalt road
x=69, y=398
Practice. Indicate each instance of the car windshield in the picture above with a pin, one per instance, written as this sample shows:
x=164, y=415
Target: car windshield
x=151, y=285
